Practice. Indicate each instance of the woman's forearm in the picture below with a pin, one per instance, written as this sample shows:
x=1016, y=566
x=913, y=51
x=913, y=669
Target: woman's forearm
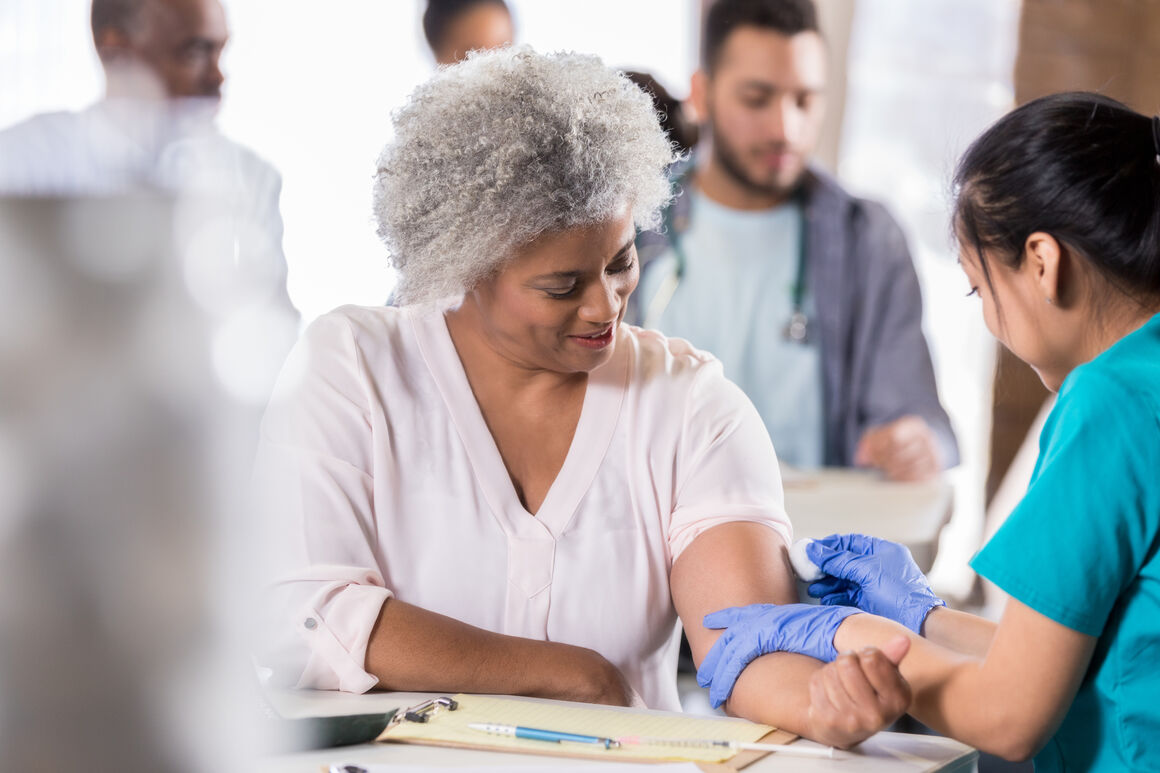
x=413, y=649
x=740, y=563
x=959, y=631
x=774, y=690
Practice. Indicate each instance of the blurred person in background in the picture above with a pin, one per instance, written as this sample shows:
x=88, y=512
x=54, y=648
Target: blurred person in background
x=154, y=131
x=484, y=489
x=454, y=27
x=807, y=294
x=675, y=120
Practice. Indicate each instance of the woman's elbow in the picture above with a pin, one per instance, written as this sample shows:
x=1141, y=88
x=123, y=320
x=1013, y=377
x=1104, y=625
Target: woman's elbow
x=1014, y=741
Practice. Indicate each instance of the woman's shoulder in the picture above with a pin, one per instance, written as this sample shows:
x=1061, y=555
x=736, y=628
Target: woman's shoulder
x=678, y=369
x=1124, y=379
x=655, y=353
x=367, y=329
x=1108, y=410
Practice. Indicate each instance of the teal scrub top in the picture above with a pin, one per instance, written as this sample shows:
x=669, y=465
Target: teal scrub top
x=1081, y=548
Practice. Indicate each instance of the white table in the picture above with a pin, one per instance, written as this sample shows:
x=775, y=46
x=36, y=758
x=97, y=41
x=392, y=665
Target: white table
x=883, y=752
x=840, y=501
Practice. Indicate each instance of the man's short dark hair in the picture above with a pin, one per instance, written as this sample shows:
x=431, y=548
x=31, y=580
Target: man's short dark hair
x=118, y=14
x=441, y=13
x=788, y=17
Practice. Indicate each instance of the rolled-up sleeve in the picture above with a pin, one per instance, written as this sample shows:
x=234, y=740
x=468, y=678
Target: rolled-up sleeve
x=323, y=588
x=726, y=467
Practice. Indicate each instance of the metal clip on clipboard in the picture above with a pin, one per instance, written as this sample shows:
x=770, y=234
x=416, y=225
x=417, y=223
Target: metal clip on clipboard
x=423, y=711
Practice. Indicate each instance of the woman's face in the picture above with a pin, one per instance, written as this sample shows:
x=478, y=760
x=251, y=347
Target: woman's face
x=1016, y=312
x=556, y=305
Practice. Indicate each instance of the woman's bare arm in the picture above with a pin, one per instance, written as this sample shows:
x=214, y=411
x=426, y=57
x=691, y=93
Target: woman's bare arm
x=1007, y=703
x=741, y=563
x=413, y=649
x=959, y=631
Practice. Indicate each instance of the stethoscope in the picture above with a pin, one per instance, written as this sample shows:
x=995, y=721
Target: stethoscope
x=797, y=329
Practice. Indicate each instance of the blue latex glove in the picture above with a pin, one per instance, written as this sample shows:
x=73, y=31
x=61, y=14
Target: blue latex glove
x=754, y=630
x=875, y=575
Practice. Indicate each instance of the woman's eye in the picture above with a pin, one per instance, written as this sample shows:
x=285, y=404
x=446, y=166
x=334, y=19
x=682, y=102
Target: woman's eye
x=622, y=267
x=560, y=293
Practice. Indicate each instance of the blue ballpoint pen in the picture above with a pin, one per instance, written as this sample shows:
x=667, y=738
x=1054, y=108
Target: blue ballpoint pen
x=542, y=735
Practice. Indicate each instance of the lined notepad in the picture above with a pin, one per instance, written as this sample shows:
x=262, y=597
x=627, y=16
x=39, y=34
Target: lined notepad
x=451, y=727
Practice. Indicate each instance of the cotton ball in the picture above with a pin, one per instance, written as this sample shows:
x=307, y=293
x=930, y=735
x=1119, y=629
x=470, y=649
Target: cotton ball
x=806, y=569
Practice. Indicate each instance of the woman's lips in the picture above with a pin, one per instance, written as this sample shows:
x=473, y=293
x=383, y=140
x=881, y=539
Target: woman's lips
x=597, y=341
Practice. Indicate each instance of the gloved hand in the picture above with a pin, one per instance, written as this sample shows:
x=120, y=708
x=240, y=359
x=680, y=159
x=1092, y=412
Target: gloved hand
x=760, y=628
x=875, y=575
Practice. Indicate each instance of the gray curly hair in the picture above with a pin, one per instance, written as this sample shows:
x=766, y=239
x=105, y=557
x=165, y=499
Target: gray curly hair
x=505, y=146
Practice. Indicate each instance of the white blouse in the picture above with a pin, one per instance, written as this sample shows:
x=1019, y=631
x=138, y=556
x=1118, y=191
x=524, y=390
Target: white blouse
x=378, y=477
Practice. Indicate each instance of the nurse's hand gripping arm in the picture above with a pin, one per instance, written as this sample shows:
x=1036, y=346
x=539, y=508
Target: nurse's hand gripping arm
x=415, y=650
x=1007, y=702
x=840, y=704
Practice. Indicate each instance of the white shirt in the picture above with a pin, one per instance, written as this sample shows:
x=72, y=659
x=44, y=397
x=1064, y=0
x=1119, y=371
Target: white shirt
x=379, y=478
x=228, y=223
x=735, y=299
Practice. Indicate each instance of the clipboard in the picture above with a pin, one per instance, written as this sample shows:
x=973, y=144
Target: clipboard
x=444, y=722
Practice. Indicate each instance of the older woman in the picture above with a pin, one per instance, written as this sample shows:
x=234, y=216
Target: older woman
x=498, y=487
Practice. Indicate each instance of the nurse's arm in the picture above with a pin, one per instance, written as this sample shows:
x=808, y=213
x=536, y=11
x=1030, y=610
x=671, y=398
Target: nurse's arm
x=1009, y=702
x=959, y=631
x=415, y=650
x=740, y=563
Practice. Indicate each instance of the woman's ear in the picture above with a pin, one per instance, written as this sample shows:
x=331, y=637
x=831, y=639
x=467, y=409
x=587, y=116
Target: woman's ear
x=112, y=44
x=1043, y=260
x=699, y=95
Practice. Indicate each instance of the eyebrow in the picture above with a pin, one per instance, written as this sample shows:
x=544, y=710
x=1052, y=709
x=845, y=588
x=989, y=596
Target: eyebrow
x=772, y=88
x=574, y=274
x=203, y=43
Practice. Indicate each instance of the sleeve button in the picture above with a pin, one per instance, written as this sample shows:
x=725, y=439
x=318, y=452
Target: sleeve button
x=310, y=624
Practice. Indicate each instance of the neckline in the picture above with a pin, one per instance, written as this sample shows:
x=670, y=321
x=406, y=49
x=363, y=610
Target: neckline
x=599, y=414
x=787, y=210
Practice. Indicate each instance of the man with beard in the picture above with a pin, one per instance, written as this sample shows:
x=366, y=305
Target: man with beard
x=806, y=294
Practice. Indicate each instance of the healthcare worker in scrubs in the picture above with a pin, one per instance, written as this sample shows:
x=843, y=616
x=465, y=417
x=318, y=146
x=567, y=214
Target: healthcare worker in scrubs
x=1058, y=217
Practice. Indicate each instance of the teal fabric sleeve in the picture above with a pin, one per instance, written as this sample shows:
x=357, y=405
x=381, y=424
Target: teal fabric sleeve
x=1087, y=523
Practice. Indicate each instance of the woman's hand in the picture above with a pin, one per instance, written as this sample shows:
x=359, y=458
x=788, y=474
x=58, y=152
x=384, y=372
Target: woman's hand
x=588, y=677
x=875, y=575
x=858, y=694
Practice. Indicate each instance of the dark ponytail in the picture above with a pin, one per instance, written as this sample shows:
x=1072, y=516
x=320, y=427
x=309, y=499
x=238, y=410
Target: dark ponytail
x=1079, y=166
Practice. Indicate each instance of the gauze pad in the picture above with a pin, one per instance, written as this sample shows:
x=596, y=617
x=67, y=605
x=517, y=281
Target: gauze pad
x=806, y=569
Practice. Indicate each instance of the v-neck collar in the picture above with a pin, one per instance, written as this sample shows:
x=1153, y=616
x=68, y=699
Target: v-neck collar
x=599, y=414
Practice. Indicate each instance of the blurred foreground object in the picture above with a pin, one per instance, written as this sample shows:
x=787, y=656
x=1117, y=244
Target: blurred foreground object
x=121, y=446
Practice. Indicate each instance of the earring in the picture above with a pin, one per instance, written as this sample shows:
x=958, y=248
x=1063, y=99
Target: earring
x=1050, y=301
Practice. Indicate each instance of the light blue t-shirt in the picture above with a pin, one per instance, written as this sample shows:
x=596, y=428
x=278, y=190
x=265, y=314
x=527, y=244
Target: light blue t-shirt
x=1081, y=548
x=735, y=300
